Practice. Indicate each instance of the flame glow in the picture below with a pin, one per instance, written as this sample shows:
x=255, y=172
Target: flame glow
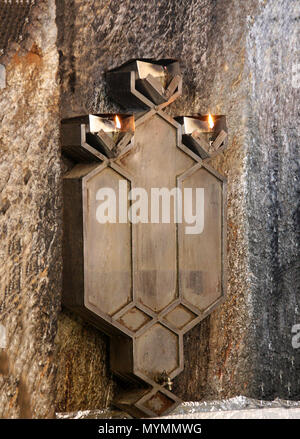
x=210, y=122
x=117, y=122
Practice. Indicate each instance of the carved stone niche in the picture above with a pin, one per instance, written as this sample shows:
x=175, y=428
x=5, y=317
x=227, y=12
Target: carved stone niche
x=143, y=284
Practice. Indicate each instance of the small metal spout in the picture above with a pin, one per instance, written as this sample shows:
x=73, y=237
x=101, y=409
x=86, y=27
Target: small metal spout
x=165, y=380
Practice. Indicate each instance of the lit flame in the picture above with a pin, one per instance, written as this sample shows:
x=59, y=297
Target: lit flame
x=117, y=123
x=210, y=121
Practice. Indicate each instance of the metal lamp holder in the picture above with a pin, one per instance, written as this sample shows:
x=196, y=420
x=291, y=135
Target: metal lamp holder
x=145, y=285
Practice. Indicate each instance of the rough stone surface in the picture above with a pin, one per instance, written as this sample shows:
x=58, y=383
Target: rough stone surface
x=30, y=225
x=222, y=367
x=83, y=378
x=15, y=17
x=272, y=198
x=98, y=35
x=235, y=408
x=237, y=59
x=242, y=414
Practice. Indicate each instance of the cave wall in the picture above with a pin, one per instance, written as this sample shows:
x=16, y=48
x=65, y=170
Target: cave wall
x=250, y=341
x=30, y=206
x=272, y=198
x=237, y=59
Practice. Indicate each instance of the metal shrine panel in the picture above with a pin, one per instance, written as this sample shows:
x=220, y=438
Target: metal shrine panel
x=144, y=282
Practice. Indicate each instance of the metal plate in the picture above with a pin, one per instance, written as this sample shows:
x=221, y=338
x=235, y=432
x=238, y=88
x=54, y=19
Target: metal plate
x=146, y=283
x=107, y=246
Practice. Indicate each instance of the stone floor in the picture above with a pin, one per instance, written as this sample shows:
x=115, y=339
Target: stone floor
x=264, y=413
x=239, y=407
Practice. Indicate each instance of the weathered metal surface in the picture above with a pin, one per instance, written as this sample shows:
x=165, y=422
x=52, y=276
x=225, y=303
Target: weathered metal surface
x=156, y=350
x=83, y=140
x=149, y=282
x=145, y=83
x=107, y=289
x=156, y=244
x=200, y=255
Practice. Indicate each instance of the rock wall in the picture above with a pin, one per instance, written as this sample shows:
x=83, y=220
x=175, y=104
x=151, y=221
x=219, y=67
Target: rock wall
x=30, y=218
x=272, y=198
x=223, y=368
x=237, y=59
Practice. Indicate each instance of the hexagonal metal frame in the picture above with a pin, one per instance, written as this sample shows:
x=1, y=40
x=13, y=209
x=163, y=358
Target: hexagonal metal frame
x=121, y=335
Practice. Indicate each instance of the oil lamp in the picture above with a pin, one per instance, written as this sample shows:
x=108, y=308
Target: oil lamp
x=112, y=132
x=204, y=135
x=150, y=82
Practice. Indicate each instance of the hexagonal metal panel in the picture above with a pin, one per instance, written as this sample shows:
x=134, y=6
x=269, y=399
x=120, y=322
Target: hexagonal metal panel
x=200, y=255
x=157, y=350
x=155, y=243
x=145, y=284
x=109, y=289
